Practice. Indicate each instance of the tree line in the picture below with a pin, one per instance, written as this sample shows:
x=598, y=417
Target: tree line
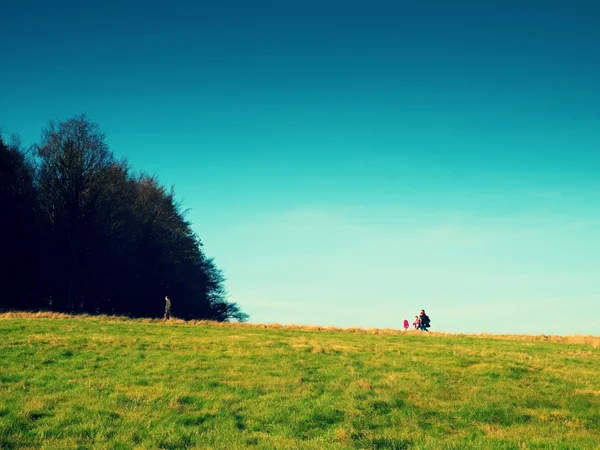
x=82, y=233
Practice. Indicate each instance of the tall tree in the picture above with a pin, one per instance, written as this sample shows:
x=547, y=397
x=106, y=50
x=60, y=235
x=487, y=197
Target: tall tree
x=73, y=158
x=18, y=265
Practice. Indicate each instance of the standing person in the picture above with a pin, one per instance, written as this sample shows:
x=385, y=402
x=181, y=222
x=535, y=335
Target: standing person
x=405, y=324
x=417, y=323
x=167, y=307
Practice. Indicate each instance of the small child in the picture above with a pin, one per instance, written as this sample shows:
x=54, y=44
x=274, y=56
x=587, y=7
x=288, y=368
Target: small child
x=405, y=324
x=417, y=322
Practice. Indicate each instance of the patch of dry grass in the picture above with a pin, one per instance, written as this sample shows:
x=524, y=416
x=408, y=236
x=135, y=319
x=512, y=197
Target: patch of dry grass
x=594, y=341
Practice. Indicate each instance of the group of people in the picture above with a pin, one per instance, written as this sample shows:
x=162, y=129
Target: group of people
x=421, y=322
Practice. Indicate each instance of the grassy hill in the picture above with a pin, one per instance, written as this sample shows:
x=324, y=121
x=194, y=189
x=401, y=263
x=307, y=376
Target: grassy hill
x=97, y=382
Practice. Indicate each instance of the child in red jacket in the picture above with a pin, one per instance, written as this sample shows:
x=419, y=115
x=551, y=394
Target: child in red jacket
x=405, y=324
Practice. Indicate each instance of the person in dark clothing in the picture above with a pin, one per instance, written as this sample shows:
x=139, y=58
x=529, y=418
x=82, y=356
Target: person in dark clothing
x=424, y=321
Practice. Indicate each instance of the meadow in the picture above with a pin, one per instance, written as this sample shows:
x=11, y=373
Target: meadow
x=69, y=382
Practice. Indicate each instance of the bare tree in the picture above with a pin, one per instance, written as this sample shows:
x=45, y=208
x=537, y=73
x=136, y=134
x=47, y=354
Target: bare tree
x=73, y=158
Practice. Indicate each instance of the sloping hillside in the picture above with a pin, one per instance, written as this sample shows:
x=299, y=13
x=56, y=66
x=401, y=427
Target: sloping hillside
x=98, y=382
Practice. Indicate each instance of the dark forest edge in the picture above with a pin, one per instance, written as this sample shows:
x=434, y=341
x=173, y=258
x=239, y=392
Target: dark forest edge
x=83, y=233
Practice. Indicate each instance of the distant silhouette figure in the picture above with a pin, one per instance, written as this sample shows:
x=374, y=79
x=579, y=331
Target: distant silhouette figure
x=406, y=325
x=167, y=307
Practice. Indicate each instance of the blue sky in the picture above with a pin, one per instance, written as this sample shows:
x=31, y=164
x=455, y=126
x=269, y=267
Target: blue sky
x=349, y=163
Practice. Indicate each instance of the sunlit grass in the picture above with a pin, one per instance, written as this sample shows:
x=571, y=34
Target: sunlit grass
x=104, y=382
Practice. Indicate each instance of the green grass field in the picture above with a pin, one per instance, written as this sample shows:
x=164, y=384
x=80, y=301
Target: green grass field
x=85, y=382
